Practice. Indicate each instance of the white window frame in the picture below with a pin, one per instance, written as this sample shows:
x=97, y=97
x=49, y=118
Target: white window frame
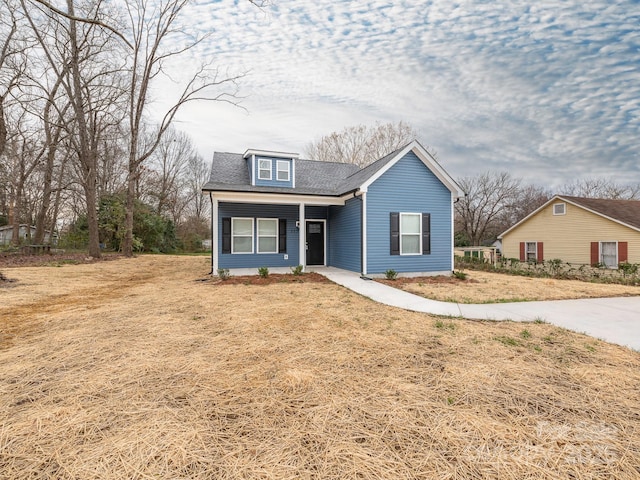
x=233, y=235
x=601, y=257
x=260, y=170
x=286, y=170
x=258, y=236
x=526, y=252
x=564, y=208
x=419, y=215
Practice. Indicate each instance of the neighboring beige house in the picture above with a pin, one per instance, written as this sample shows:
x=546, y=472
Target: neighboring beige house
x=583, y=231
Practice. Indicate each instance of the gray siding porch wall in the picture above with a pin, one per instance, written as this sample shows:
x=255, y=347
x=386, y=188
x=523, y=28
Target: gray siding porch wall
x=256, y=260
x=345, y=225
x=408, y=186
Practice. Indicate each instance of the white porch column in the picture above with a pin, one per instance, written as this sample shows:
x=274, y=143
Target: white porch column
x=364, y=233
x=302, y=231
x=214, y=234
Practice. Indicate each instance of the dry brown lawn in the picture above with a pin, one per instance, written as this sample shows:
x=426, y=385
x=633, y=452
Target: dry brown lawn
x=486, y=287
x=135, y=369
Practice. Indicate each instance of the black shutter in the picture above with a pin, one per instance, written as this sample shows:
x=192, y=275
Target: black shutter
x=395, y=233
x=226, y=235
x=426, y=233
x=282, y=235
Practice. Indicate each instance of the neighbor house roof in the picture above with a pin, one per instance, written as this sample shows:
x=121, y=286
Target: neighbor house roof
x=625, y=212
x=229, y=172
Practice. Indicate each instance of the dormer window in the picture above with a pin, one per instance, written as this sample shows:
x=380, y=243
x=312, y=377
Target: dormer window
x=264, y=169
x=283, y=170
x=559, y=208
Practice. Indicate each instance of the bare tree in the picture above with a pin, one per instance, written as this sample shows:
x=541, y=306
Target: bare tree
x=82, y=57
x=601, y=188
x=167, y=165
x=488, y=195
x=361, y=145
x=152, y=30
x=527, y=199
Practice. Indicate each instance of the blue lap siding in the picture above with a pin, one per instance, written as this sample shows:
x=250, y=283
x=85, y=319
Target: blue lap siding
x=345, y=225
x=256, y=260
x=408, y=186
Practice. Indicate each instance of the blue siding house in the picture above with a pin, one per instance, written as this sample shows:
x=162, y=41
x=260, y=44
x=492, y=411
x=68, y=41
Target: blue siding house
x=274, y=209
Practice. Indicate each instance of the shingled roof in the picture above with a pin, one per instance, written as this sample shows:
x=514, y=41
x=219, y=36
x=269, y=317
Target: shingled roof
x=229, y=172
x=623, y=211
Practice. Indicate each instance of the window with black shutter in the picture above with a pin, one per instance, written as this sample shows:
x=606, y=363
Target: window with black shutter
x=226, y=235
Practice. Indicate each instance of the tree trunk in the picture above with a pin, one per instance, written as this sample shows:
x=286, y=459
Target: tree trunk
x=127, y=246
x=3, y=127
x=87, y=160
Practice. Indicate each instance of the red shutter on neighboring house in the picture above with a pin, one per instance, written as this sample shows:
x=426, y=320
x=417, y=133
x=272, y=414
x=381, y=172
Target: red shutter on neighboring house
x=595, y=253
x=540, y=252
x=523, y=258
x=622, y=252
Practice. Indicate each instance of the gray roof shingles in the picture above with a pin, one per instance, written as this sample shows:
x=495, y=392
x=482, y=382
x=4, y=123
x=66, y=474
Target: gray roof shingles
x=229, y=172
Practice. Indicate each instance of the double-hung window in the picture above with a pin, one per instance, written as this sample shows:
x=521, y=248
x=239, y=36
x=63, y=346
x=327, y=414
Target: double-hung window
x=609, y=254
x=283, y=170
x=531, y=251
x=264, y=169
x=267, y=235
x=242, y=235
x=410, y=233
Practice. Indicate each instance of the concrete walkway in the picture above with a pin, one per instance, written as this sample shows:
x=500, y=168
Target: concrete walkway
x=615, y=320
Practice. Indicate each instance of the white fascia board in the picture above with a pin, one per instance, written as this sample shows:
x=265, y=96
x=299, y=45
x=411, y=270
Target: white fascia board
x=546, y=204
x=267, y=153
x=426, y=158
x=277, y=198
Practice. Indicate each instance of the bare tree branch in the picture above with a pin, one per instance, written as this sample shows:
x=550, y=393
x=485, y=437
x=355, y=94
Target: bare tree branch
x=91, y=21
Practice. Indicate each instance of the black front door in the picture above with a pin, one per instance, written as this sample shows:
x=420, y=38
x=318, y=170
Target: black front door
x=315, y=243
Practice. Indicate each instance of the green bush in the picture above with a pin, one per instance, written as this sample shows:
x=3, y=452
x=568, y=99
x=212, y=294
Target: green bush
x=223, y=274
x=297, y=270
x=391, y=274
x=263, y=272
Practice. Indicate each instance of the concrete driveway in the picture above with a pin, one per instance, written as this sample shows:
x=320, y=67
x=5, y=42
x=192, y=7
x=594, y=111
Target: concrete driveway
x=615, y=320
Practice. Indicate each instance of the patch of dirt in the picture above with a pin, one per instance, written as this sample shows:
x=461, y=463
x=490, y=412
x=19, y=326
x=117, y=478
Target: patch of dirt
x=432, y=280
x=11, y=260
x=487, y=287
x=311, y=277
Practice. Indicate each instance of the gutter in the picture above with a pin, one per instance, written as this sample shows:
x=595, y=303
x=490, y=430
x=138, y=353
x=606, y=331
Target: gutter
x=211, y=228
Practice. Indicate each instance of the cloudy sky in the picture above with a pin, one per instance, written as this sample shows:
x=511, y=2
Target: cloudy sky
x=548, y=90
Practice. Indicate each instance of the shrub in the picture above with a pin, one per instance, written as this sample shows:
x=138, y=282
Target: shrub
x=459, y=275
x=297, y=270
x=628, y=269
x=224, y=274
x=263, y=272
x=391, y=274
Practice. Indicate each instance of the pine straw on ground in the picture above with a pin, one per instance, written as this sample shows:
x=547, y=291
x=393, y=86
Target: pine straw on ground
x=488, y=287
x=133, y=369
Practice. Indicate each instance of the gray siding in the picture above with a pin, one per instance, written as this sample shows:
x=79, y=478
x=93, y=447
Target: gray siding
x=408, y=186
x=345, y=226
x=256, y=260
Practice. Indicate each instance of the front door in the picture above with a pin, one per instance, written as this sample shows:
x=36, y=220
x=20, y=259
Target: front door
x=315, y=243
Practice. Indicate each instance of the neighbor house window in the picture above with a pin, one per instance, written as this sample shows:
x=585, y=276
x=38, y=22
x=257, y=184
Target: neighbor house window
x=410, y=233
x=559, y=208
x=264, y=169
x=532, y=252
x=242, y=235
x=282, y=170
x=609, y=254
x=267, y=235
